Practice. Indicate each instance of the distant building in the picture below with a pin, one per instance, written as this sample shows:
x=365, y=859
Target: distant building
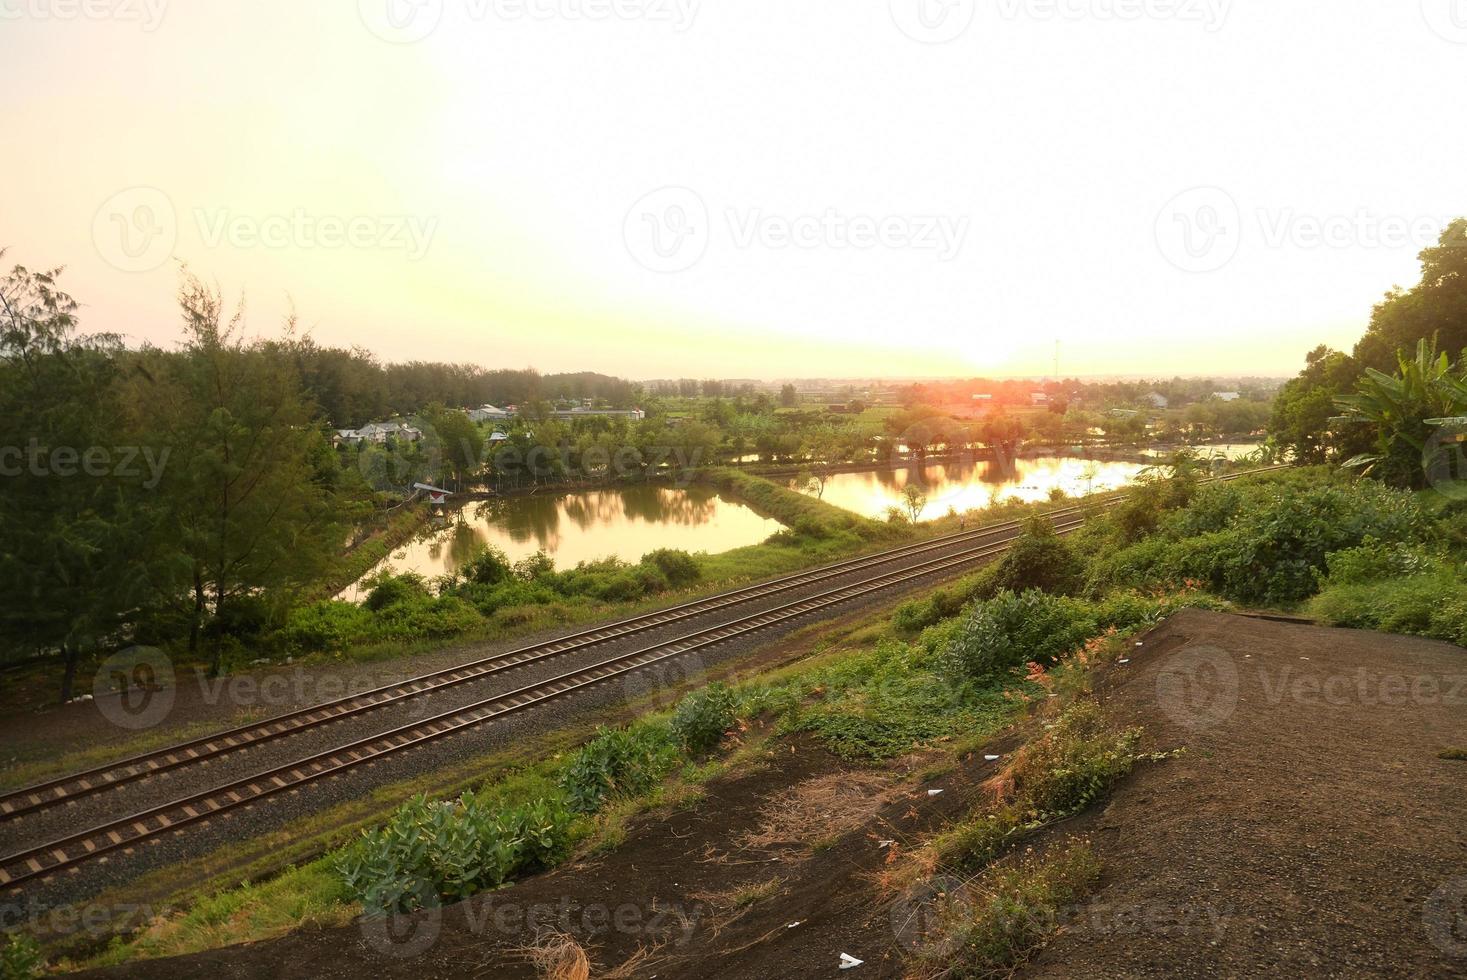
x=378, y=433
x=1226, y=396
x=1038, y=398
x=571, y=414
x=487, y=413
x=1156, y=399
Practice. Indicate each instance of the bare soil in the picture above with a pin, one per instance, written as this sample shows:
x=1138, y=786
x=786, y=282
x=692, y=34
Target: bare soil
x=1308, y=829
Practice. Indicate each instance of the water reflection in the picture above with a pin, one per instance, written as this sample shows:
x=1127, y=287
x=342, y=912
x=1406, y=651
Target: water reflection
x=571, y=528
x=970, y=486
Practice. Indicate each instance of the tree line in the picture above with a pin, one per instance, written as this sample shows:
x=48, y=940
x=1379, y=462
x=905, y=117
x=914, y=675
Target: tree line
x=150, y=494
x=1392, y=406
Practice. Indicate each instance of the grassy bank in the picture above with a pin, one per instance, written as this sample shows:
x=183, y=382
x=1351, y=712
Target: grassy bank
x=882, y=694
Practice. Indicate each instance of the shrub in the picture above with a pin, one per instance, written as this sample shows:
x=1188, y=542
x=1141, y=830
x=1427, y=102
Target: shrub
x=1013, y=911
x=244, y=617
x=20, y=958
x=1074, y=764
x=390, y=590
x=1433, y=604
x=1013, y=629
x=449, y=850
x=1039, y=559
x=534, y=567
x=679, y=567
x=1373, y=561
x=487, y=567
x=617, y=762
x=702, y=718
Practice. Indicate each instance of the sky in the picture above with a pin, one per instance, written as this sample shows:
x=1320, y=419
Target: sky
x=760, y=188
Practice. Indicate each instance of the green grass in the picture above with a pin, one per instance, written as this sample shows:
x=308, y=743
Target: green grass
x=1006, y=915
x=1453, y=755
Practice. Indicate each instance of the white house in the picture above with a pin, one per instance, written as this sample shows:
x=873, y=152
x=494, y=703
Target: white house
x=1226, y=396
x=379, y=433
x=488, y=413
x=1157, y=399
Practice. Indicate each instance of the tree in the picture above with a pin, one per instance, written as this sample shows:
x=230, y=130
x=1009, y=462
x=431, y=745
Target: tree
x=69, y=508
x=789, y=396
x=1434, y=307
x=1300, y=423
x=254, y=502
x=460, y=444
x=914, y=498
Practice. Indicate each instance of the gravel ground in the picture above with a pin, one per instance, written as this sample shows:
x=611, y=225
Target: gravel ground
x=328, y=792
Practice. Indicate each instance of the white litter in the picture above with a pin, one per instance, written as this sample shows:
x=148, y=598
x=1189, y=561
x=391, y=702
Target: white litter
x=847, y=961
x=1124, y=660
x=991, y=758
x=933, y=792
x=797, y=922
x=1139, y=643
x=886, y=843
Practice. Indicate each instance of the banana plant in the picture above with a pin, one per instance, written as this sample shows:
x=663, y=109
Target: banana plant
x=1405, y=410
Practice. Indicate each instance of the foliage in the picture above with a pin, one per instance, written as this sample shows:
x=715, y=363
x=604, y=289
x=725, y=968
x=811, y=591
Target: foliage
x=1403, y=412
x=1039, y=559
x=1014, y=910
x=388, y=590
x=617, y=762
x=702, y=718
x=20, y=958
x=1014, y=629
x=680, y=568
x=72, y=528
x=1435, y=307
x=449, y=850
x=1262, y=541
x=1074, y=764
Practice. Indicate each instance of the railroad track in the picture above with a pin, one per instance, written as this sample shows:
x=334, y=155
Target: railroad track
x=148, y=826
x=72, y=787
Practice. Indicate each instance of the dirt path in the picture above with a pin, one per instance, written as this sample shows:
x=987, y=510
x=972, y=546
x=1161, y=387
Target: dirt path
x=1309, y=829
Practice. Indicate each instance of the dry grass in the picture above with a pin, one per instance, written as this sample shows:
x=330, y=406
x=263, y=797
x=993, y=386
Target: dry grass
x=820, y=810
x=636, y=965
x=557, y=956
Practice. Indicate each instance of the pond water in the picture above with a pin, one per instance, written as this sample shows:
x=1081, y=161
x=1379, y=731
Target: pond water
x=624, y=523
x=970, y=486
x=1229, y=450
